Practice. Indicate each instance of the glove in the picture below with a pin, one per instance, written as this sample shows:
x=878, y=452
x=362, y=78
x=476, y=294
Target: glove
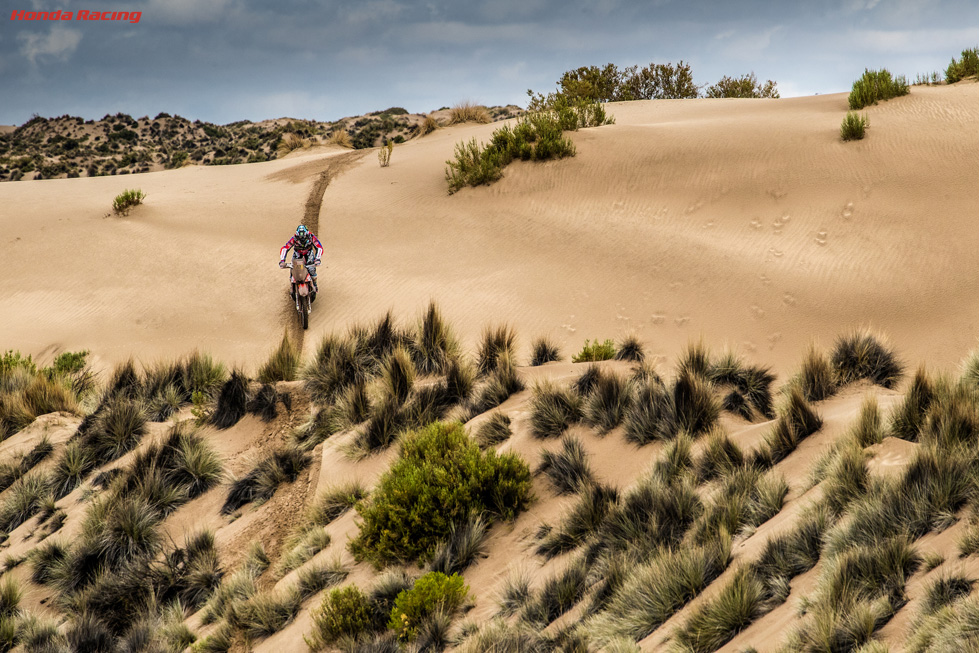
x=316, y=262
x=282, y=264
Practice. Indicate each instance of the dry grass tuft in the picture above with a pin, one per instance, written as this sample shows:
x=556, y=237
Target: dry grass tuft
x=467, y=111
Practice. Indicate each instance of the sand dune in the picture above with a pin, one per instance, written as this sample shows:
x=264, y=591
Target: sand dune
x=746, y=221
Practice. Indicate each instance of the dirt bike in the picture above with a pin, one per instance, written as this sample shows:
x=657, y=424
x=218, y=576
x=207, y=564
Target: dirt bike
x=302, y=290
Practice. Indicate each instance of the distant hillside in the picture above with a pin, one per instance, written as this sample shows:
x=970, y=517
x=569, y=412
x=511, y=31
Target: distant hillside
x=68, y=146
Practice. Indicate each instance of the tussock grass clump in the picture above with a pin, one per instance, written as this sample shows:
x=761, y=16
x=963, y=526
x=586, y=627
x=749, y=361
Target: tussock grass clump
x=584, y=519
x=586, y=383
x=44, y=558
x=696, y=409
x=494, y=342
x=544, y=351
x=337, y=364
x=315, y=577
x=264, y=403
x=651, y=415
x=559, y=594
x=952, y=627
x=387, y=420
x=720, y=457
x=23, y=500
x=467, y=111
x=282, y=364
x=816, y=379
x=675, y=462
x=875, y=86
x=265, y=614
x=232, y=401
x=868, y=429
x=715, y=622
x=493, y=431
x=853, y=126
x=201, y=374
x=798, y=421
x=436, y=344
x=567, y=469
x=630, y=349
x=334, y=502
x=966, y=66
x=609, y=401
x=515, y=594
x=397, y=376
x=462, y=546
x=440, y=478
x=595, y=351
x=126, y=200
x=301, y=547
x=502, y=383
x=428, y=126
x=861, y=355
x=71, y=468
x=341, y=137
x=283, y=466
x=847, y=479
x=944, y=591
x=659, y=588
x=907, y=419
x=792, y=553
x=10, y=596
x=746, y=498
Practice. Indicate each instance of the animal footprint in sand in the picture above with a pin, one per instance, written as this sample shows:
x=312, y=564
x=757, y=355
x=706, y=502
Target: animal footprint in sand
x=658, y=318
x=681, y=321
x=779, y=223
x=789, y=300
x=821, y=238
x=756, y=223
x=775, y=252
x=765, y=279
x=848, y=211
x=774, y=338
x=757, y=311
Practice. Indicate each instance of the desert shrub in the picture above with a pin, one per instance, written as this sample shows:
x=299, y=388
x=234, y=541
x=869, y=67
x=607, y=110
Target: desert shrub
x=344, y=612
x=907, y=418
x=595, y=351
x=853, y=125
x=440, y=478
x=467, y=111
x=746, y=86
x=493, y=431
x=428, y=126
x=384, y=153
x=282, y=364
x=283, y=466
x=567, y=469
x=965, y=67
x=431, y=592
x=472, y=165
x=874, y=86
x=544, y=351
x=342, y=138
x=126, y=200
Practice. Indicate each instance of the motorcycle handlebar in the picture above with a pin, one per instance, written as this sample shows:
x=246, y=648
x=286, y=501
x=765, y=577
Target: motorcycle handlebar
x=311, y=265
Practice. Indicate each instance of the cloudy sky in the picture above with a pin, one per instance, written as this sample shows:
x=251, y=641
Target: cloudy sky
x=227, y=60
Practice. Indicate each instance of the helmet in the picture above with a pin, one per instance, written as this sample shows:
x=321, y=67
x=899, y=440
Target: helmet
x=302, y=235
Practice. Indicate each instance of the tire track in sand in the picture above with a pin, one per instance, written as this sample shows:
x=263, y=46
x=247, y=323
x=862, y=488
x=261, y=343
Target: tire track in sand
x=334, y=167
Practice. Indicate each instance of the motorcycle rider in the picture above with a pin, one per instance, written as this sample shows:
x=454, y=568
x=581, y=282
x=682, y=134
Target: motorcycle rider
x=305, y=246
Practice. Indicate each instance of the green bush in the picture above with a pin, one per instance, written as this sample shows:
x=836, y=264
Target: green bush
x=432, y=592
x=595, y=351
x=344, y=612
x=853, y=126
x=746, y=86
x=876, y=85
x=440, y=479
x=965, y=67
x=126, y=200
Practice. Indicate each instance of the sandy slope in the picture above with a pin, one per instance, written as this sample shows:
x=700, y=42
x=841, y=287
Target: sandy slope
x=746, y=221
